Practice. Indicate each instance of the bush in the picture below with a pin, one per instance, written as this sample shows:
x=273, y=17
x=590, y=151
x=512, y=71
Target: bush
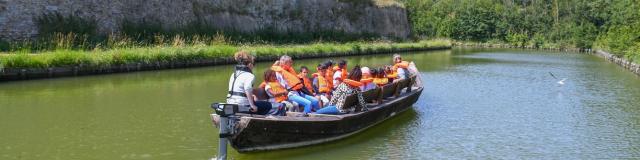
x=538, y=40
x=517, y=39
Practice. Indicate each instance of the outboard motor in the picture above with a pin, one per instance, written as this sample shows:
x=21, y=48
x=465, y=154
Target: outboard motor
x=227, y=123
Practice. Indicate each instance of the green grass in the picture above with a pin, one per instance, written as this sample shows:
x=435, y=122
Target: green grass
x=180, y=52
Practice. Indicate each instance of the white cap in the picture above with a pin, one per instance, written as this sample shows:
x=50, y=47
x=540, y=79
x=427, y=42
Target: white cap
x=365, y=70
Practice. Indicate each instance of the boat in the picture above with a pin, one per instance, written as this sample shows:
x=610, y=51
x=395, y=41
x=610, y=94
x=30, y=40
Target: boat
x=260, y=133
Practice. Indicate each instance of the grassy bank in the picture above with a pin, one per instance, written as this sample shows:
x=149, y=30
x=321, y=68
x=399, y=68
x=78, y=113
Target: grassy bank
x=182, y=52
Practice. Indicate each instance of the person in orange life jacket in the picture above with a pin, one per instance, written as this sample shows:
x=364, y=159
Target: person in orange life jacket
x=379, y=77
x=288, y=78
x=340, y=73
x=329, y=75
x=308, y=83
x=389, y=73
x=241, y=86
x=350, y=85
x=367, y=80
x=400, y=67
x=304, y=76
x=321, y=84
x=276, y=92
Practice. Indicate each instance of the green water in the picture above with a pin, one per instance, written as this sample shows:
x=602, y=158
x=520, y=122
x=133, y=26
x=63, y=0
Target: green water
x=500, y=104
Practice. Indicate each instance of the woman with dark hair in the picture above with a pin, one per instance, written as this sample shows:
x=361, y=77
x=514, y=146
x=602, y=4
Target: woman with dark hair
x=350, y=85
x=241, y=86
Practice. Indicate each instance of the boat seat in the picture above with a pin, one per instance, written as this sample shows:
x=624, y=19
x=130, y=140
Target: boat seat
x=402, y=84
x=260, y=93
x=371, y=95
x=351, y=100
x=388, y=90
x=412, y=83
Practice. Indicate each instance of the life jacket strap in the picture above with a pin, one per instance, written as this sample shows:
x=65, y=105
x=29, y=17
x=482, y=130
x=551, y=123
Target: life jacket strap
x=231, y=93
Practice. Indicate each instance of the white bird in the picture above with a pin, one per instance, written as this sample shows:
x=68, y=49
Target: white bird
x=561, y=82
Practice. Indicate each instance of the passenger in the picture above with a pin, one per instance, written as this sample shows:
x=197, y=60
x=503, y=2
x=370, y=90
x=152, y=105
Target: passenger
x=241, y=86
x=304, y=76
x=400, y=67
x=380, y=78
x=350, y=86
x=329, y=74
x=321, y=84
x=389, y=73
x=289, y=79
x=367, y=80
x=340, y=73
x=276, y=92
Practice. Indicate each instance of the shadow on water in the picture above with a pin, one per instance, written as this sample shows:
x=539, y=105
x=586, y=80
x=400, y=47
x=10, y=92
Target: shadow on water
x=390, y=130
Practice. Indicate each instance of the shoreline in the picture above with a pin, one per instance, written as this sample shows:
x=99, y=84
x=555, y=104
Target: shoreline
x=17, y=74
x=508, y=46
x=622, y=62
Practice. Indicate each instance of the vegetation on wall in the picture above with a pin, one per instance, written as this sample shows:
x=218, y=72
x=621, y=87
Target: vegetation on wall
x=57, y=31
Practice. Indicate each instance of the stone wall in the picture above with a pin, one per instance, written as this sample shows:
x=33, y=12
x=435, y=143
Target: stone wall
x=633, y=67
x=17, y=16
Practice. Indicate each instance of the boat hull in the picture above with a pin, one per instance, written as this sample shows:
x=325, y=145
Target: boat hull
x=259, y=134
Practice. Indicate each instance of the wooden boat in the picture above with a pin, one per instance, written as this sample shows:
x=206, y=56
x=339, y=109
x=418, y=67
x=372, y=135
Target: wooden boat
x=259, y=133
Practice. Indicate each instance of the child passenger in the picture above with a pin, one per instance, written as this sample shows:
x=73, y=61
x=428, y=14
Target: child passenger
x=340, y=73
x=276, y=92
x=367, y=80
x=379, y=77
x=321, y=84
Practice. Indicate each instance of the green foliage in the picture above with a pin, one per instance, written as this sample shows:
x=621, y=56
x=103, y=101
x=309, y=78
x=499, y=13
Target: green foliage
x=192, y=52
x=538, y=40
x=621, y=40
x=544, y=23
x=51, y=23
x=517, y=39
x=4, y=45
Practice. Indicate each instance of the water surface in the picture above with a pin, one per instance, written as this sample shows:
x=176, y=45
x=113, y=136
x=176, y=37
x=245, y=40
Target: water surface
x=498, y=104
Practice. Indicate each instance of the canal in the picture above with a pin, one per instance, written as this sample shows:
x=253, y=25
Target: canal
x=477, y=103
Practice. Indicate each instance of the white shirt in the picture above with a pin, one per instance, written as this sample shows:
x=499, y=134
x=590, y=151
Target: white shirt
x=244, y=83
x=272, y=99
x=401, y=74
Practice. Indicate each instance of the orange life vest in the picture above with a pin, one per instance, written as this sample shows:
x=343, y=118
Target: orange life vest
x=403, y=64
x=352, y=83
x=343, y=74
x=289, y=69
x=329, y=76
x=323, y=84
x=292, y=80
x=380, y=81
x=278, y=92
x=392, y=75
x=306, y=81
x=366, y=79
